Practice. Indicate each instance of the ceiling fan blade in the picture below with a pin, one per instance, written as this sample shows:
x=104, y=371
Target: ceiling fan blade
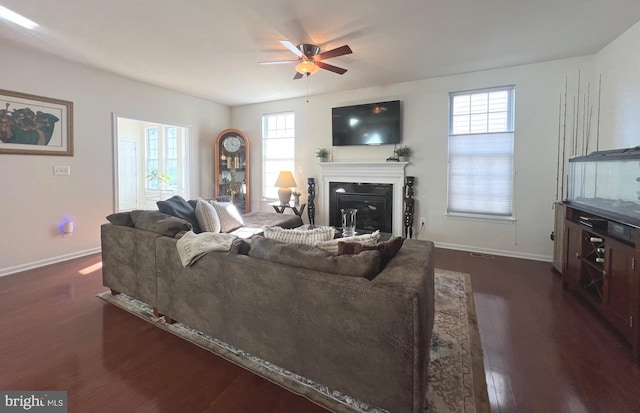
x=292, y=47
x=277, y=62
x=331, y=68
x=339, y=51
x=298, y=76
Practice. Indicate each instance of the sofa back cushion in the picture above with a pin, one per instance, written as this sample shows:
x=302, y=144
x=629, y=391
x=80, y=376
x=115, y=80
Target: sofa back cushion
x=121, y=218
x=388, y=249
x=365, y=264
x=158, y=222
x=299, y=236
x=179, y=207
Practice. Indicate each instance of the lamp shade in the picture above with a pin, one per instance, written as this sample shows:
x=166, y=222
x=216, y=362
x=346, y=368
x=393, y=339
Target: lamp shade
x=307, y=67
x=285, y=180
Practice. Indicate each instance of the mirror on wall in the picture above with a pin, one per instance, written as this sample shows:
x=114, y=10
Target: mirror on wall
x=152, y=163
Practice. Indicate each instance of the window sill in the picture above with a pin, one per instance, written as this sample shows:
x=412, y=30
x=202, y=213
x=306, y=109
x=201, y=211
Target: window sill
x=479, y=218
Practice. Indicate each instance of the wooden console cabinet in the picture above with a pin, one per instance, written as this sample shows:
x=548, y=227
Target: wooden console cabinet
x=603, y=269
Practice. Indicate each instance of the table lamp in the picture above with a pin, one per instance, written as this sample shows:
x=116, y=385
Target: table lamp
x=284, y=183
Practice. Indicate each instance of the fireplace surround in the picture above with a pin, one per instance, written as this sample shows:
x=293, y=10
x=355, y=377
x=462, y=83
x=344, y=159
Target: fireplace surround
x=392, y=173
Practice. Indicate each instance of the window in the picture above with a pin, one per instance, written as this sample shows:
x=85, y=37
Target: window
x=171, y=154
x=166, y=152
x=278, y=144
x=152, y=155
x=480, y=180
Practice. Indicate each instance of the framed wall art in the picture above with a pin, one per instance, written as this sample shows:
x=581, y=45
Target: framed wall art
x=35, y=125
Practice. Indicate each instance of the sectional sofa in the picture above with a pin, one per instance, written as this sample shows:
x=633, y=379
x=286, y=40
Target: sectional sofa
x=301, y=308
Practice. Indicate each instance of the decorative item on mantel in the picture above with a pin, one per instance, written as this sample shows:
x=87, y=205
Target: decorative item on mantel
x=323, y=154
x=403, y=153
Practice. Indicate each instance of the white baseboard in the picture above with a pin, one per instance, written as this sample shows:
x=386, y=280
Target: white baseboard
x=48, y=261
x=489, y=251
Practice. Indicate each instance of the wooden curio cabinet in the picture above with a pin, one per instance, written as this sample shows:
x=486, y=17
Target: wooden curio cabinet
x=231, y=163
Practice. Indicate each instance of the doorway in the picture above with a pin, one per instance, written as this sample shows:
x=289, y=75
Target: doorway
x=152, y=163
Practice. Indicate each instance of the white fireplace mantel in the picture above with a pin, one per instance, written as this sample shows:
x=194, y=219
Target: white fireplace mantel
x=365, y=172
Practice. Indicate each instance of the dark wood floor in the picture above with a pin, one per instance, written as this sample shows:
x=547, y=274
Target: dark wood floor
x=544, y=349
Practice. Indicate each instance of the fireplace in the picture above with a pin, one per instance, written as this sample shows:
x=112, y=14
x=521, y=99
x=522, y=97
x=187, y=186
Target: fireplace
x=374, y=203
x=359, y=174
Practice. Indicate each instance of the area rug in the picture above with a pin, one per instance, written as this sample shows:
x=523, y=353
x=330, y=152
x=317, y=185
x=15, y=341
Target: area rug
x=456, y=372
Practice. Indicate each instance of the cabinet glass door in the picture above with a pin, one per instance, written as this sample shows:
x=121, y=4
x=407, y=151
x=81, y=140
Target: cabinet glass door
x=232, y=168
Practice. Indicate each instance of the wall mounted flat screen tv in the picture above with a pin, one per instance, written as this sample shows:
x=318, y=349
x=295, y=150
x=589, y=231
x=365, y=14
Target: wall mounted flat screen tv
x=367, y=124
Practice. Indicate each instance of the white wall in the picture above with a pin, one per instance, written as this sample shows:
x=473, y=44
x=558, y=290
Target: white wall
x=33, y=201
x=619, y=65
x=425, y=117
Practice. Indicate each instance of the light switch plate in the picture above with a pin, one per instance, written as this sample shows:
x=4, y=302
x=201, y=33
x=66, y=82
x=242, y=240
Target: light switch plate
x=62, y=170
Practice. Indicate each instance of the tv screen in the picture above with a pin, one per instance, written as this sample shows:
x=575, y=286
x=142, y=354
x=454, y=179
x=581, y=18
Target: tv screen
x=368, y=124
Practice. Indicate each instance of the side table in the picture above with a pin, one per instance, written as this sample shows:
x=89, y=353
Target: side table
x=297, y=209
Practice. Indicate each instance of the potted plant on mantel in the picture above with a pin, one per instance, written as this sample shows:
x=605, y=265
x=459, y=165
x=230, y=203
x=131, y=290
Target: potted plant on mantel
x=403, y=153
x=323, y=154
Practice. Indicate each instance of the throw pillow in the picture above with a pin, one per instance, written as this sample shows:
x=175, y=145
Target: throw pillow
x=179, y=207
x=299, y=236
x=365, y=239
x=121, y=218
x=309, y=257
x=388, y=249
x=229, y=216
x=222, y=198
x=156, y=221
x=207, y=216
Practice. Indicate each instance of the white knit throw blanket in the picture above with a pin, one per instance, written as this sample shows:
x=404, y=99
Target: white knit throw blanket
x=192, y=247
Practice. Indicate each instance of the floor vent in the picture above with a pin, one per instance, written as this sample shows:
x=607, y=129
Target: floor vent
x=479, y=255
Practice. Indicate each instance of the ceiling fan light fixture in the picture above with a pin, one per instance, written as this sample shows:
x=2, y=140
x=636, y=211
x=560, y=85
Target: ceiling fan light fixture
x=307, y=67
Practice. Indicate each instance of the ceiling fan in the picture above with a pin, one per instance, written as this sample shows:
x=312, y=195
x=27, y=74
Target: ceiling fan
x=310, y=59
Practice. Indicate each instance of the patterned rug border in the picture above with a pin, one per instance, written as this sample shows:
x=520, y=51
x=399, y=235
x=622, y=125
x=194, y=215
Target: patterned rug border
x=337, y=402
x=481, y=395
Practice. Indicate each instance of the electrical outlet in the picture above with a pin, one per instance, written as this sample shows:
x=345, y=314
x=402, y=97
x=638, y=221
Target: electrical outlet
x=422, y=222
x=61, y=170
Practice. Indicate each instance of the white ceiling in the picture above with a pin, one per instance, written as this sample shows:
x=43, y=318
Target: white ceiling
x=210, y=48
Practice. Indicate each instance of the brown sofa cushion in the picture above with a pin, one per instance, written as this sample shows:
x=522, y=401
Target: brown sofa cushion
x=121, y=218
x=309, y=257
x=388, y=249
x=161, y=223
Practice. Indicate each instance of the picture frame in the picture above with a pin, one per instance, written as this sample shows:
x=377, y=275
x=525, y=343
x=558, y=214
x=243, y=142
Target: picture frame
x=35, y=125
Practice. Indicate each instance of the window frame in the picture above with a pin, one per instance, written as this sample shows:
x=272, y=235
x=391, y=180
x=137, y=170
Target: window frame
x=487, y=214
x=267, y=186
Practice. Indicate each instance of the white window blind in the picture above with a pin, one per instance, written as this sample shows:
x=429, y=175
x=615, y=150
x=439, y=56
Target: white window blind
x=278, y=149
x=480, y=179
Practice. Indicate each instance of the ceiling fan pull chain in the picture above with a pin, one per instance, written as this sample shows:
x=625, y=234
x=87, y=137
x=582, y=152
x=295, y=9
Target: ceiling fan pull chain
x=307, y=87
